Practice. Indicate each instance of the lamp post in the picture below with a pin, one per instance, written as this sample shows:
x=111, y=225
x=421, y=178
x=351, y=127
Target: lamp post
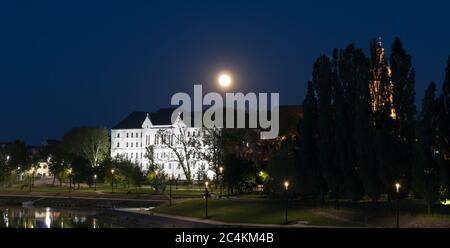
x=112, y=180
x=206, y=199
x=18, y=174
x=221, y=180
x=286, y=187
x=397, y=190
x=170, y=189
x=70, y=179
x=95, y=182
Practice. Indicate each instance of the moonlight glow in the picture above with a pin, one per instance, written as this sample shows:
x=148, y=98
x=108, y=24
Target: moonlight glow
x=224, y=80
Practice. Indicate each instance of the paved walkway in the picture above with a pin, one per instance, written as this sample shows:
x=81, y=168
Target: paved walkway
x=215, y=223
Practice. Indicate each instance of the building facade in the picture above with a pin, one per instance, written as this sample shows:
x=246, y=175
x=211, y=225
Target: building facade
x=139, y=130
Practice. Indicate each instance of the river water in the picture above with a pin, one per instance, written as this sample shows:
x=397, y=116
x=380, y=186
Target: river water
x=37, y=217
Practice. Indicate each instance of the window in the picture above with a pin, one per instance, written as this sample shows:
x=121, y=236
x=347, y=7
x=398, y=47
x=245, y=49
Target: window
x=137, y=155
x=137, y=144
x=131, y=155
x=193, y=134
x=137, y=135
x=131, y=135
x=127, y=135
x=118, y=135
x=170, y=166
x=118, y=144
x=178, y=167
x=131, y=144
x=141, y=135
x=127, y=144
x=189, y=134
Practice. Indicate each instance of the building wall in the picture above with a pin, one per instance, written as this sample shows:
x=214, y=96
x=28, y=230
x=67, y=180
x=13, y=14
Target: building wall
x=132, y=144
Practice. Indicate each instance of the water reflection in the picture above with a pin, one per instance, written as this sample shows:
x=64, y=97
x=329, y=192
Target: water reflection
x=21, y=217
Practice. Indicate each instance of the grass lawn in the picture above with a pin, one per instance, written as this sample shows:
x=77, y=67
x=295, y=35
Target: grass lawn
x=249, y=211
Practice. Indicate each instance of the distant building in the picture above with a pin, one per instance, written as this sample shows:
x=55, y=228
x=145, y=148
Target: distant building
x=139, y=130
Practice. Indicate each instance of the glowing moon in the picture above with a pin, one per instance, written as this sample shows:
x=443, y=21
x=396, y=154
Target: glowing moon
x=224, y=80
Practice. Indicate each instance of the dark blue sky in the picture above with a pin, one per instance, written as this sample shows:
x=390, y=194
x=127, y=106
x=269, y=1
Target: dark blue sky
x=73, y=63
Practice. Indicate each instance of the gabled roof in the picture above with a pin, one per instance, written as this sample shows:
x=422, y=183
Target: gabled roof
x=136, y=119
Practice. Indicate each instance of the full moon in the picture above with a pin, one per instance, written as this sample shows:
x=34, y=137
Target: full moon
x=224, y=80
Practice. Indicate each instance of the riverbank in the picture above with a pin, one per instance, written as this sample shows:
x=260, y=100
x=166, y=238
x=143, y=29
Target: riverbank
x=67, y=200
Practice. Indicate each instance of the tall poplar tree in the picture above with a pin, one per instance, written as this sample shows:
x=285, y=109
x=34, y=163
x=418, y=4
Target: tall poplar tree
x=403, y=81
x=425, y=168
x=311, y=179
x=322, y=80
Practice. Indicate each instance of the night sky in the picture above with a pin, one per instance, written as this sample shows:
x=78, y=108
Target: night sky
x=73, y=63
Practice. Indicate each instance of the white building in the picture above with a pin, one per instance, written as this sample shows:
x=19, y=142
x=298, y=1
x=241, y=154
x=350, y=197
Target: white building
x=137, y=131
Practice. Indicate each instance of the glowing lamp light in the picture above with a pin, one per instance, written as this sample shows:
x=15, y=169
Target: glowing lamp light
x=206, y=184
x=221, y=169
x=112, y=171
x=224, y=80
x=397, y=187
x=286, y=185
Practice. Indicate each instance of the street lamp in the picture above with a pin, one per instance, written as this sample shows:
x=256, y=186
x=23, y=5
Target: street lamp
x=206, y=199
x=112, y=180
x=18, y=174
x=7, y=158
x=70, y=179
x=286, y=187
x=170, y=189
x=95, y=182
x=397, y=190
x=221, y=180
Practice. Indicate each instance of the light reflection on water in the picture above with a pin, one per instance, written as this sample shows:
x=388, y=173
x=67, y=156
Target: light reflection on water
x=21, y=217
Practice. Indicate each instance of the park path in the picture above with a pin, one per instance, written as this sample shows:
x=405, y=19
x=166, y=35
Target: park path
x=215, y=223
